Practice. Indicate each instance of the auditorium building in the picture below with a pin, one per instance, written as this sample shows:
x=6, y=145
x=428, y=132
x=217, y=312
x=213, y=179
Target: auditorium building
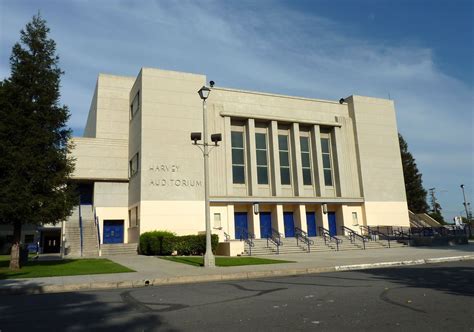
x=283, y=162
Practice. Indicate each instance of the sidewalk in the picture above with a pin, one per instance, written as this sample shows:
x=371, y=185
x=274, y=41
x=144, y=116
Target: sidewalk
x=155, y=271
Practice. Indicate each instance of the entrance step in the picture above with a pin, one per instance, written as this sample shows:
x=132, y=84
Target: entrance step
x=119, y=249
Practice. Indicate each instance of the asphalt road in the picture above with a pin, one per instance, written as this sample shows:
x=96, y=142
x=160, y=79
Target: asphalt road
x=417, y=298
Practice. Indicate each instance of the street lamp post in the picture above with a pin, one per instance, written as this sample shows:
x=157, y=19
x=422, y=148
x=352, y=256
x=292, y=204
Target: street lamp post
x=209, y=259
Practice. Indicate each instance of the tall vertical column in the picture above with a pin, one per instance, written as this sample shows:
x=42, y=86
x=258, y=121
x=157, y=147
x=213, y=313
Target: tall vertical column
x=251, y=157
x=301, y=218
x=339, y=162
x=254, y=222
x=318, y=161
x=275, y=159
x=321, y=218
x=277, y=218
x=297, y=166
x=230, y=221
x=228, y=155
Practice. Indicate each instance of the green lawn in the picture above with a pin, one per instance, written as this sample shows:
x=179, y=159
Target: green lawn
x=66, y=267
x=223, y=261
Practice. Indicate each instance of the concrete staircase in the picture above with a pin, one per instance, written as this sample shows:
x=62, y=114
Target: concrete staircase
x=118, y=249
x=89, y=234
x=290, y=246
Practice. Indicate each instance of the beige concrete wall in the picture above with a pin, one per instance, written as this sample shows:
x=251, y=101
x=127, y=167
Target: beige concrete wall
x=386, y=214
x=172, y=168
x=346, y=215
x=376, y=136
x=181, y=217
x=231, y=248
x=111, y=194
x=113, y=106
x=100, y=159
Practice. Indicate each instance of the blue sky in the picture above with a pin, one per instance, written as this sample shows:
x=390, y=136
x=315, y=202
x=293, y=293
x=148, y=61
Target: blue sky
x=420, y=53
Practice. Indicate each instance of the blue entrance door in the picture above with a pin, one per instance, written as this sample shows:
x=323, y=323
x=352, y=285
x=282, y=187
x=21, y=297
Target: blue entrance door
x=113, y=231
x=311, y=223
x=289, y=224
x=265, y=224
x=332, y=223
x=241, y=226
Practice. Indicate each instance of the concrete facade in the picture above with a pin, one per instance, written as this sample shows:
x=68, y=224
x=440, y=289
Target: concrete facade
x=137, y=153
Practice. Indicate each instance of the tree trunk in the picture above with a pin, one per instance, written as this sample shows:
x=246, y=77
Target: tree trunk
x=15, y=254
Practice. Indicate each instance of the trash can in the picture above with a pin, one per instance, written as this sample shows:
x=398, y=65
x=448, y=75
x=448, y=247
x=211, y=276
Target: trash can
x=23, y=255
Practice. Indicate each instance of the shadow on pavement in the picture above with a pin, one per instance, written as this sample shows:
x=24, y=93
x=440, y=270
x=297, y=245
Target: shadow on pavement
x=451, y=280
x=79, y=311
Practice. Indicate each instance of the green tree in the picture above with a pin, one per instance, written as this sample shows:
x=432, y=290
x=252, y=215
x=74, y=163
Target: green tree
x=34, y=165
x=416, y=194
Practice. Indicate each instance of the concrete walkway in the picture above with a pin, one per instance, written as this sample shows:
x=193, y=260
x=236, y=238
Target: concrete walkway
x=156, y=271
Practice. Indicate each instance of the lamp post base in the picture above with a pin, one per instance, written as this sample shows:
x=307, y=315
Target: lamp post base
x=209, y=259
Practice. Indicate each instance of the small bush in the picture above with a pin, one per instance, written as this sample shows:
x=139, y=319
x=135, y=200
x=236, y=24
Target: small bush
x=163, y=243
x=157, y=243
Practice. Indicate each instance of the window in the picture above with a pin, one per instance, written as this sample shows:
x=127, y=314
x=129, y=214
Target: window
x=284, y=159
x=134, y=165
x=217, y=221
x=355, y=220
x=238, y=160
x=262, y=162
x=135, y=106
x=305, y=160
x=327, y=167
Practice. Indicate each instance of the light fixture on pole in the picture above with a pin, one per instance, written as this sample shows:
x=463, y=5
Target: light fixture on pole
x=466, y=204
x=209, y=259
x=325, y=208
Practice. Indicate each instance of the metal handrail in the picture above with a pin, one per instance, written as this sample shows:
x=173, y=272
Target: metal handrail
x=275, y=238
x=380, y=234
x=227, y=237
x=326, y=234
x=96, y=221
x=353, y=235
x=247, y=237
x=80, y=230
x=302, y=236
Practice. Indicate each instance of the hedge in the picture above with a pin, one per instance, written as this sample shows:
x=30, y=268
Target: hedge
x=164, y=243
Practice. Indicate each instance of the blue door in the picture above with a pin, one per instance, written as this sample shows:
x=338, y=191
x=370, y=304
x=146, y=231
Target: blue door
x=265, y=224
x=332, y=223
x=311, y=223
x=241, y=226
x=289, y=224
x=113, y=231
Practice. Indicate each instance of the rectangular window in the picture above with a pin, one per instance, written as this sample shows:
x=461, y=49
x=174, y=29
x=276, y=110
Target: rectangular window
x=262, y=162
x=305, y=160
x=238, y=159
x=217, y=220
x=327, y=167
x=284, y=159
x=134, y=165
x=135, y=106
x=355, y=220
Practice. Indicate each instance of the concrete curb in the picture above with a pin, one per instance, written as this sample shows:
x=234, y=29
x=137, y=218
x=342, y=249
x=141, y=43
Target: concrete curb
x=42, y=289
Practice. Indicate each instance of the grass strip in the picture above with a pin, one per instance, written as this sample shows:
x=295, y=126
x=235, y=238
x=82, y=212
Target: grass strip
x=58, y=268
x=224, y=261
